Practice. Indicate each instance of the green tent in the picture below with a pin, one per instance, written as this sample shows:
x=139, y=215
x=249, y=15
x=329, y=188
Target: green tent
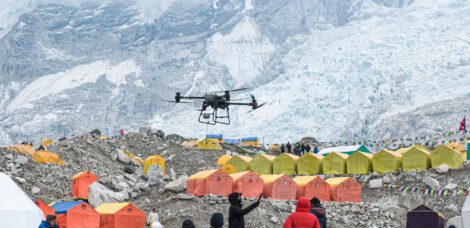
x=468, y=151
x=285, y=164
x=242, y=163
x=309, y=164
x=262, y=164
x=359, y=163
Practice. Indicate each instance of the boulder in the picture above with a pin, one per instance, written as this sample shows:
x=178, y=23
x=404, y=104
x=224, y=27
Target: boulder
x=178, y=185
x=155, y=176
x=451, y=186
x=455, y=221
x=172, y=174
x=431, y=182
x=375, y=183
x=100, y=194
x=9, y=156
x=21, y=180
x=35, y=190
x=184, y=196
x=444, y=168
x=386, y=179
x=21, y=159
x=121, y=156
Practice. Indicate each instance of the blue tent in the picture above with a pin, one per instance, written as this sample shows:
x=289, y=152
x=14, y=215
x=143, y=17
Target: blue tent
x=63, y=207
x=250, y=139
x=232, y=141
x=215, y=136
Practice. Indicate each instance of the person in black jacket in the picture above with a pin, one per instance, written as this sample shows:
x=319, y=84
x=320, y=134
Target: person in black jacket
x=289, y=147
x=236, y=213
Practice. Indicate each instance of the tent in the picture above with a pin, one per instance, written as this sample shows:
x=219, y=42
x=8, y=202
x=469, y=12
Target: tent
x=279, y=186
x=312, y=186
x=344, y=189
x=345, y=149
x=466, y=212
x=190, y=143
x=359, y=163
x=251, y=142
x=120, y=215
x=424, y=217
x=76, y=214
x=285, y=164
x=275, y=148
x=218, y=138
x=444, y=154
x=45, y=208
x=210, y=182
x=223, y=160
x=262, y=164
x=334, y=163
x=95, y=132
x=154, y=160
x=309, y=164
x=228, y=169
x=386, y=161
x=241, y=162
x=208, y=144
x=247, y=183
x=456, y=146
x=232, y=141
x=25, y=149
x=46, y=142
x=137, y=161
x=80, y=183
x=16, y=208
x=416, y=158
x=45, y=157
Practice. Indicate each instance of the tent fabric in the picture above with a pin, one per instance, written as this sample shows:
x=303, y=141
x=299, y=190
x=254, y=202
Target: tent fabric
x=215, y=136
x=46, y=157
x=80, y=184
x=23, y=149
x=154, y=160
x=129, y=154
x=255, y=143
x=444, y=154
x=249, y=139
x=466, y=212
x=416, y=158
x=312, y=186
x=279, y=186
x=386, y=161
x=241, y=162
x=424, y=217
x=63, y=207
x=45, y=208
x=137, y=161
x=209, y=144
x=335, y=163
x=247, y=183
x=232, y=141
x=207, y=182
x=121, y=215
x=228, y=169
x=359, y=163
x=456, y=146
x=309, y=164
x=345, y=149
x=46, y=142
x=262, y=164
x=190, y=143
x=285, y=164
x=223, y=160
x=76, y=215
x=344, y=189
x=16, y=208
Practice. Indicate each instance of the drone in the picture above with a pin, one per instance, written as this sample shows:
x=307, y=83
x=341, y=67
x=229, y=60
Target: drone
x=219, y=100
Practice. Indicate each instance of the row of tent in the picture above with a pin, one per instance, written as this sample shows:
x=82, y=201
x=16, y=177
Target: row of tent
x=40, y=156
x=215, y=143
x=407, y=159
x=280, y=186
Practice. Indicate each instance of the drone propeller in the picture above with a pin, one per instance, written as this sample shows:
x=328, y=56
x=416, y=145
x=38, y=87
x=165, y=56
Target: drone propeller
x=231, y=90
x=184, y=102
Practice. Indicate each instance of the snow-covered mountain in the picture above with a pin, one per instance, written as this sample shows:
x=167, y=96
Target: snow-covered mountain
x=326, y=68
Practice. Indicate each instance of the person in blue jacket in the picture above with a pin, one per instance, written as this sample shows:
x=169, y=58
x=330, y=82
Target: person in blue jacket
x=50, y=222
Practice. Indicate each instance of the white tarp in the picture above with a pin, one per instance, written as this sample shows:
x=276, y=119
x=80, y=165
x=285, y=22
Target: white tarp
x=16, y=208
x=466, y=213
x=340, y=149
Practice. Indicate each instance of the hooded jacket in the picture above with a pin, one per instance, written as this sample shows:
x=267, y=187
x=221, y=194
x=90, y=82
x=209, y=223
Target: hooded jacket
x=236, y=213
x=302, y=218
x=44, y=224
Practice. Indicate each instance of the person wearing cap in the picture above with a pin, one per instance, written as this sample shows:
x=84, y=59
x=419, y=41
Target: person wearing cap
x=217, y=220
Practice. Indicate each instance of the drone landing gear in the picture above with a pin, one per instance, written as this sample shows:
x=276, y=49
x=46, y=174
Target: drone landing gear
x=213, y=118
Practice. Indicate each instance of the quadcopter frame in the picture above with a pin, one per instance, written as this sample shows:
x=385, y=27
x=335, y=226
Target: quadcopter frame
x=212, y=118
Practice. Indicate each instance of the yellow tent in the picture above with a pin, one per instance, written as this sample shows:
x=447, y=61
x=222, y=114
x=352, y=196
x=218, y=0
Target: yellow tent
x=45, y=157
x=309, y=163
x=208, y=144
x=102, y=137
x=285, y=163
x=228, y=169
x=402, y=150
x=456, y=146
x=262, y=164
x=24, y=149
x=386, y=161
x=154, y=160
x=137, y=161
x=242, y=163
x=251, y=143
x=129, y=154
x=359, y=163
x=334, y=163
x=416, y=158
x=223, y=160
x=110, y=208
x=443, y=154
x=46, y=142
x=190, y=143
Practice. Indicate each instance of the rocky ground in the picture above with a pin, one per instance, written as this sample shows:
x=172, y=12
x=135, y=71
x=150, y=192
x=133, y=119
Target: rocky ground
x=120, y=180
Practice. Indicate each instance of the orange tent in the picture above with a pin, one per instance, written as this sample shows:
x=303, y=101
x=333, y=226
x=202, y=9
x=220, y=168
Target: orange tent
x=25, y=149
x=247, y=183
x=45, y=157
x=344, y=189
x=279, y=186
x=312, y=186
x=210, y=182
x=120, y=215
x=45, y=208
x=80, y=183
x=76, y=214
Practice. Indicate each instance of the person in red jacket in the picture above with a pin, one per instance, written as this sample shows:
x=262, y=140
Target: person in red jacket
x=302, y=218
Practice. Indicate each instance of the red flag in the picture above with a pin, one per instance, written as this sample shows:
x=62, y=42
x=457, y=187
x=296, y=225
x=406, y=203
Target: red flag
x=462, y=125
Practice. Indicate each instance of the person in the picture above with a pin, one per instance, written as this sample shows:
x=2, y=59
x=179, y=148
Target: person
x=302, y=149
x=296, y=151
x=236, y=213
x=283, y=148
x=319, y=211
x=301, y=217
x=308, y=148
x=188, y=223
x=49, y=223
x=289, y=147
x=153, y=217
x=217, y=220
x=315, y=150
